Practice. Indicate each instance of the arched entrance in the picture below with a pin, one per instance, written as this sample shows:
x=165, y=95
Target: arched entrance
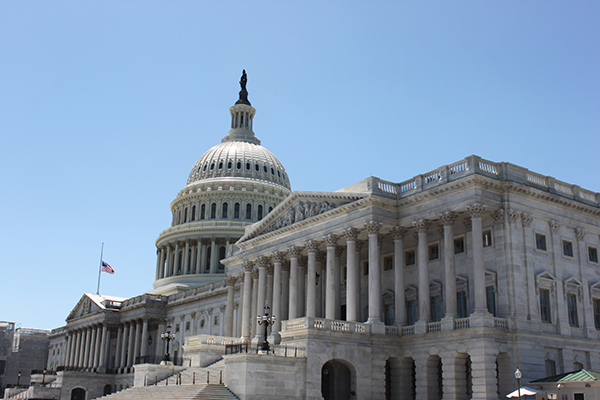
x=78, y=394
x=107, y=389
x=336, y=381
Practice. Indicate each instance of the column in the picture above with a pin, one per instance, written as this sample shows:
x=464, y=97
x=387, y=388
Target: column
x=262, y=294
x=231, y=280
x=285, y=290
x=269, y=300
x=374, y=275
x=422, y=262
x=124, y=346
x=252, y=320
x=246, y=305
x=119, y=348
x=399, y=298
x=193, y=254
x=169, y=267
x=214, y=255
x=98, y=346
x=311, y=290
x=353, y=277
x=204, y=258
x=85, y=353
x=302, y=261
x=476, y=210
x=337, y=266
x=186, y=258
x=157, y=276
x=321, y=273
x=558, y=308
x=589, y=327
x=160, y=352
x=104, y=347
x=448, y=219
x=199, y=249
x=69, y=349
x=77, y=352
x=131, y=344
x=162, y=263
x=293, y=303
x=533, y=313
x=331, y=242
x=144, y=340
x=176, y=260
x=138, y=341
x=276, y=312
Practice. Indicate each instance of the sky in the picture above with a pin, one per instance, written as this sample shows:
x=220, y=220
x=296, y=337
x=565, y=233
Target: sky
x=105, y=106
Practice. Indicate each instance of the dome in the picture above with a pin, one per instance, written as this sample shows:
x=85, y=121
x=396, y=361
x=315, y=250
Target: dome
x=239, y=159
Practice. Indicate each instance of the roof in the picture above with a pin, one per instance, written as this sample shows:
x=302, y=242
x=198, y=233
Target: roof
x=584, y=375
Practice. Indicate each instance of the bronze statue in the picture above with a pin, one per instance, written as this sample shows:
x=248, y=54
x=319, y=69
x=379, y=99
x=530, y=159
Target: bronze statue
x=243, y=80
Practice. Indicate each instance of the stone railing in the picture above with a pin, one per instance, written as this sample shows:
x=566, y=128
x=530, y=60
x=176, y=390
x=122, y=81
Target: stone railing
x=326, y=325
x=211, y=340
x=476, y=165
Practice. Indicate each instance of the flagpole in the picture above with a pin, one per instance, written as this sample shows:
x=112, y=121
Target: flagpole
x=100, y=268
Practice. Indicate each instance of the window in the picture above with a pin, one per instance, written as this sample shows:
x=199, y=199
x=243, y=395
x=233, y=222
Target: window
x=229, y=165
x=177, y=328
x=459, y=245
x=213, y=211
x=248, y=211
x=436, y=308
x=540, y=241
x=248, y=166
x=572, y=309
x=567, y=248
x=409, y=257
x=596, y=306
x=193, y=213
x=216, y=320
x=388, y=263
x=202, y=211
x=389, y=314
x=185, y=215
x=461, y=303
x=487, y=238
x=236, y=211
x=545, y=306
x=202, y=323
x=365, y=268
x=270, y=209
x=490, y=294
x=224, y=211
x=577, y=366
x=550, y=367
x=238, y=165
x=212, y=166
x=593, y=254
x=187, y=325
x=265, y=169
x=256, y=167
x=221, y=165
x=259, y=212
x=434, y=252
x=411, y=311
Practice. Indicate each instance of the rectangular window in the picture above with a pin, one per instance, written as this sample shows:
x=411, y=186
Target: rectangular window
x=366, y=268
x=216, y=320
x=491, y=300
x=593, y=254
x=388, y=263
x=434, y=252
x=540, y=241
x=187, y=325
x=411, y=308
x=436, y=308
x=459, y=245
x=545, y=305
x=572, y=309
x=550, y=367
x=577, y=366
x=461, y=303
x=487, y=238
x=567, y=248
x=596, y=306
x=389, y=314
x=177, y=328
x=409, y=257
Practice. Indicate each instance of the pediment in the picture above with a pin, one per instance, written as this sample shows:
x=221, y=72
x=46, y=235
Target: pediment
x=90, y=304
x=573, y=282
x=545, y=276
x=300, y=208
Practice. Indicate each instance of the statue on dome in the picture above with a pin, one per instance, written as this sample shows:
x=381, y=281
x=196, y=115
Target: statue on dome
x=243, y=93
x=243, y=80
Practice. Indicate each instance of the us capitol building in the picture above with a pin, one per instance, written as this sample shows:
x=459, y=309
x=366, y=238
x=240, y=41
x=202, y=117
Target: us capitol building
x=436, y=287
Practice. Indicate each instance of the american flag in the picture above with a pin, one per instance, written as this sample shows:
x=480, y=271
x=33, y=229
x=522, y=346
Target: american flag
x=107, y=268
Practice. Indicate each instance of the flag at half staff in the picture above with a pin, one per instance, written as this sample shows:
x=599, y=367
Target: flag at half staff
x=107, y=268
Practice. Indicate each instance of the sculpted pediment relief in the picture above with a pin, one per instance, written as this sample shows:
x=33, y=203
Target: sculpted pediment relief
x=86, y=305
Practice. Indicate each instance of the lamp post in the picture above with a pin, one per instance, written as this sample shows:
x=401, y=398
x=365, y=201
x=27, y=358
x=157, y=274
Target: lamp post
x=19, y=379
x=44, y=376
x=167, y=336
x=518, y=375
x=266, y=320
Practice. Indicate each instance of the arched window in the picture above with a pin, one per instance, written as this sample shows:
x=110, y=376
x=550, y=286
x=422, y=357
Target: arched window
x=256, y=167
x=236, y=211
x=185, y=215
x=224, y=211
x=212, y=166
x=260, y=211
x=248, y=166
x=193, y=213
x=248, y=211
x=213, y=211
x=221, y=165
x=239, y=165
x=229, y=165
x=203, y=211
x=270, y=209
x=265, y=168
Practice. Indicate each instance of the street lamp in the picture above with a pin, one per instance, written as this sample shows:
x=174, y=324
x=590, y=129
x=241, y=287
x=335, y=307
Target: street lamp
x=44, y=376
x=518, y=375
x=266, y=320
x=19, y=379
x=167, y=336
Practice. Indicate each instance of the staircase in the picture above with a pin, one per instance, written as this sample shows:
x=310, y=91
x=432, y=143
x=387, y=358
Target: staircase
x=190, y=384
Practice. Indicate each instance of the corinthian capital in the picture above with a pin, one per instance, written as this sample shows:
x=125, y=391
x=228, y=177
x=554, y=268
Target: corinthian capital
x=312, y=246
x=554, y=226
x=580, y=232
x=476, y=210
x=499, y=216
x=373, y=227
x=421, y=225
x=295, y=251
x=398, y=232
x=247, y=265
x=351, y=234
x=330, y=240
x=526, y=219
x=263, y=261
x=231, y=280
x=448, y=217
x=278, y=256
x=513, y=216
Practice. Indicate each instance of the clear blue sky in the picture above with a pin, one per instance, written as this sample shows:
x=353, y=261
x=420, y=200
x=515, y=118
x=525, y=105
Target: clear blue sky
x=106, y=105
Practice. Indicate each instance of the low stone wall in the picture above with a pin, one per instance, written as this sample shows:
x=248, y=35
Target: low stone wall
x=148, y=374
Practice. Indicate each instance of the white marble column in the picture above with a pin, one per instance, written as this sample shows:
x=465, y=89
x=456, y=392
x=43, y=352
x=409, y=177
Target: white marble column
x=77, y=351
x=589, y=327
x=399, y=285
x=302, y=262
x=337, y=272
x=124, y=346
x=311, y=290
x=423, y=265
x=231, y=280
x=353, y=277
x=69, y=349
x=162, y=263
x=374, y=274
x=294, y=284
x=160, y=352
x=131, y=344
x=199, y=257
x=204, y=267
x=176, y=259
x=157, y=276
x=104, y=347
x=331, y=243
x=169, y=260
x=214, y=255
x=262, y=294
x=276, y=290
x=90, y=359
x=98, y=345
x=285, y=290
x=270, y=271
x=252, y=320
x=119, y=348
x=476, y=210
x=85, y=348
x=138, y=341
x=448, y=219
x=186, y=258
x=144, y=340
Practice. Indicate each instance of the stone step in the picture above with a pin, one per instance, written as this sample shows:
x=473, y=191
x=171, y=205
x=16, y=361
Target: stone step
x=174, y=392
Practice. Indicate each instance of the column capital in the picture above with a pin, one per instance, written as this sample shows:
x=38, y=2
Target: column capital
x=312, y=246
x=321, y=258
x=358, y=245
x=513, y=215
x=351, y=234
x=526, y=219
x=448, y=217
x=580, y=232
x=421, y=225
x=295, y=251
x=262, y=261
x=499, y=216
x=248, y=265
x=554, y=226
x=254, y=274
x=476, y=210
x=231, y=280
x=398, y=232
x=278, y=256
x=331, y=240
x=373, y=227
x=270, y=269
x=285, y=266
x=240, y=277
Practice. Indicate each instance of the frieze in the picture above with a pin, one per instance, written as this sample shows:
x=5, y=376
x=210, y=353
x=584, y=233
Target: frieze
x=301, y=211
